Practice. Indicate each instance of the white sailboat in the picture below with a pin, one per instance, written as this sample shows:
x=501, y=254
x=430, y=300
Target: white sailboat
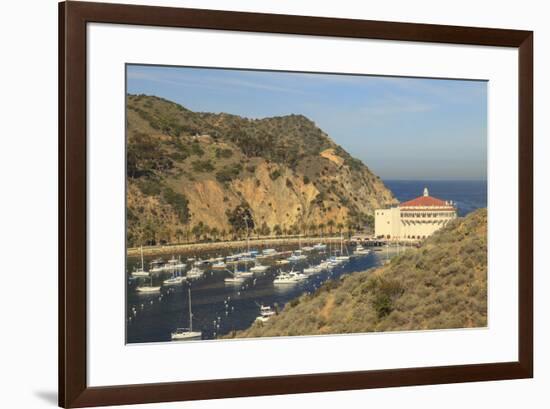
x=313, y=269
x=219, y=265
x=342, y=257
x=320, y=246
x=237, y=277
x=173, y=264
x=157, y=266
x=259, y=268
x=195, y=272
x=148, y=288
x=297, y=256
x=187, y=334
x=177, y=278
x=140, y=271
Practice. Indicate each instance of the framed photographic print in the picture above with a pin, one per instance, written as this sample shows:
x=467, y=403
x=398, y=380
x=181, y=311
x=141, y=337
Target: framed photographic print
x=256, y=204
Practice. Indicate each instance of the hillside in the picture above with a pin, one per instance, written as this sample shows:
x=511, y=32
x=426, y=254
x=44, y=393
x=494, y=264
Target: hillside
x=442, y=284
x=193, y=176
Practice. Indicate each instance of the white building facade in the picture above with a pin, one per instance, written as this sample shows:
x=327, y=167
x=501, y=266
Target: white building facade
x=413, y=220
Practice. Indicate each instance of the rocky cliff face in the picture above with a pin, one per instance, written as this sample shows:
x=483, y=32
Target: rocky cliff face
x=194, y=175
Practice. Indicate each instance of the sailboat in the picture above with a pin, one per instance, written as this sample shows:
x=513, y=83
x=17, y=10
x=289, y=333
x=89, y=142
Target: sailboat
x=313, y=269
x=157, y=266
x=177, y=278
x=341, y=257
x=187, y=334
x=259, y=268
x=195, y=272
x=148, y=288
x=320, y=246
x=237, y=277
x=174, y=264
x=140, y=271
x=219, y=265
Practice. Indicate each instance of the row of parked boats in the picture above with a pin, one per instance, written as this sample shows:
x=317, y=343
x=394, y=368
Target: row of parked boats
x=237, y=275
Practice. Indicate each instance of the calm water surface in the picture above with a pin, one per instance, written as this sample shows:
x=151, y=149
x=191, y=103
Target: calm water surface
x=220, y=308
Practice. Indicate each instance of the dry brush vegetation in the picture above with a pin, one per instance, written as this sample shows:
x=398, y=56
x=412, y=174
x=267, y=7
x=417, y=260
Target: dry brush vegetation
x=442, y=284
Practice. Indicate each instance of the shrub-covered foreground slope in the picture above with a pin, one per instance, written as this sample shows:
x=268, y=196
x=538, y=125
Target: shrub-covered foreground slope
x=442, y=284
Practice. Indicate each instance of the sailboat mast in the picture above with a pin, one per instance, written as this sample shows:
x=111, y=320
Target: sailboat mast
x=190, y=313
x=141, y=249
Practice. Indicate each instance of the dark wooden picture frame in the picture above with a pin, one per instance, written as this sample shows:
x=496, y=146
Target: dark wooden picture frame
x=73, y=388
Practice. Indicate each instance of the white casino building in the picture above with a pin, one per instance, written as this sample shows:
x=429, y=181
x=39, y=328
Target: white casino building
x=415, y=219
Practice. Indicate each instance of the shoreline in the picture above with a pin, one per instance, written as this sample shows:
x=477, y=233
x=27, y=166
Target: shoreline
x=193, y=247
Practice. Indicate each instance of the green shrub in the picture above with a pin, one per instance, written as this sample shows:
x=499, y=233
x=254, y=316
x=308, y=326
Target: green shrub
x=223, y=153
x=202, y=166
x=228, y=173
x=275, y=174
x=149, y=187
x=178, y=202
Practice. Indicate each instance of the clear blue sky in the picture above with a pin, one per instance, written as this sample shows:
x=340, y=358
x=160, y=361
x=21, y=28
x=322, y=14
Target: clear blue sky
x=402, y=128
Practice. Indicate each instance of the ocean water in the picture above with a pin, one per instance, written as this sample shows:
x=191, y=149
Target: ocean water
x=468, y=195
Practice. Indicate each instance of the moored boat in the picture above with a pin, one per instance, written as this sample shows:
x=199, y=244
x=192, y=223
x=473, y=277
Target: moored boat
x=266, y=312
x=259, y=268
x=140, y=271
x=148, y=288
x=187, y=334
x=219, y=265
x=195, y=273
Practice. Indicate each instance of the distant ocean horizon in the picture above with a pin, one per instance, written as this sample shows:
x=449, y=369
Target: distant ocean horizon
x=468, y=195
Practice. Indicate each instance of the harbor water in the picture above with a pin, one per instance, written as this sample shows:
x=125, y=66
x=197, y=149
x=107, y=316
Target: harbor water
x=218, y=307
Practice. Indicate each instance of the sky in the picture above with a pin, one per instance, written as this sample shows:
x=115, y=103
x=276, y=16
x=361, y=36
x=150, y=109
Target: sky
x=400, y=127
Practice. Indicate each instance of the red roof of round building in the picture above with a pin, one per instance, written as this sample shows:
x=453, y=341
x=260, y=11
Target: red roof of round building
x=425, y=201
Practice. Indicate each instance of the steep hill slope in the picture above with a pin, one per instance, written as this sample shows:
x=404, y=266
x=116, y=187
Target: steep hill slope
x=443, y=284
x=194, y=175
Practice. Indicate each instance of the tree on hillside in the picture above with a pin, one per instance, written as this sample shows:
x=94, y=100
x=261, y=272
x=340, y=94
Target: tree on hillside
x=179, y=203
x=349, y=225
x=240, y=219
x=215, y=233
x=197, y=230
x=340, y=227
x=179, y=235
x=312, y=228
x=322, y=228
x=264, y=230
x=330, y=225
x=206, y=232
x=149, y=234
x=277, y=230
